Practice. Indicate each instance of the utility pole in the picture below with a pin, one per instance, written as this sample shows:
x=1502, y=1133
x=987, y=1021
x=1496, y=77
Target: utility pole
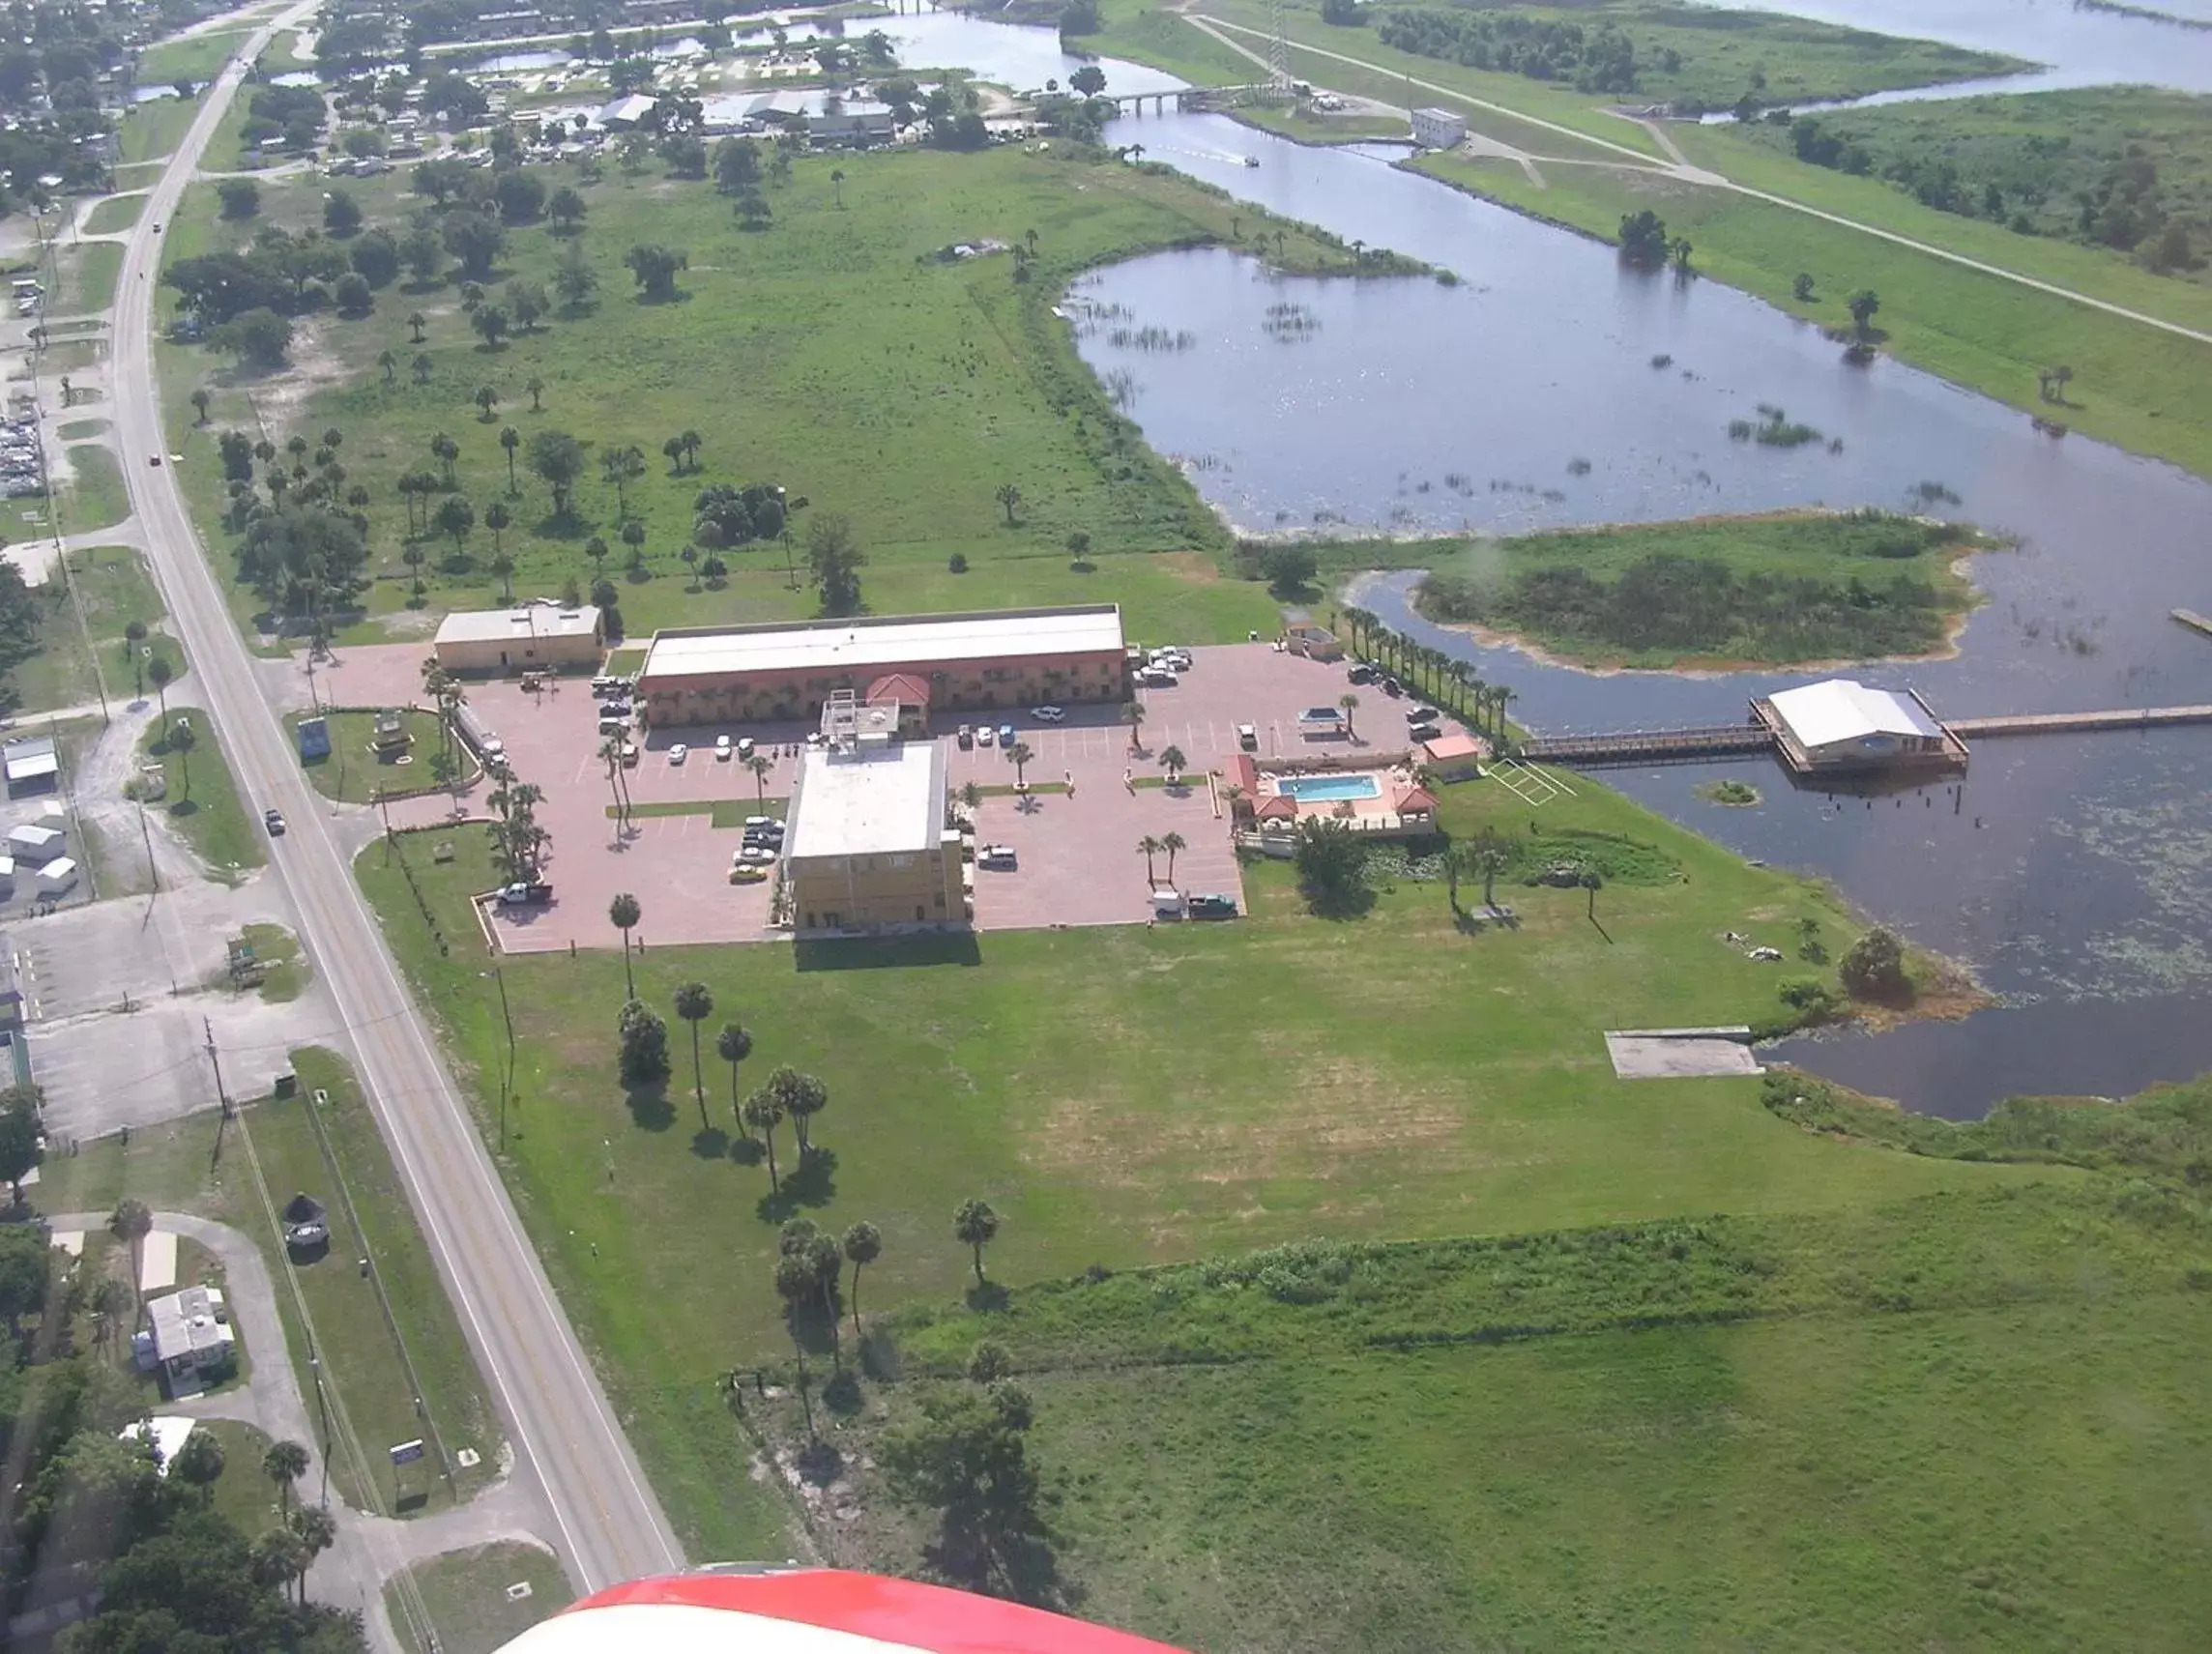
x=214, y=1059
x=507, y=1076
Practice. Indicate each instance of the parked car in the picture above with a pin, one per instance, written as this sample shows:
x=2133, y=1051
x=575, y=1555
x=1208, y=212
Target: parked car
x=524, y=895
x=985, y=736
x=1007, y=737
x=630, y=754
x=1212, y=907
x=1362, y=674
x=1048, y=714
x=723, y=747
x=998, y=857
x=966, y=736
x=678, y=753
x=764, y=855
x=745, y=746
x=748, y=873
x=1392, y=687
x=753, y=822
x=1423, y=715
x=273, y=821
x=1248, y=738
x=1156, y=678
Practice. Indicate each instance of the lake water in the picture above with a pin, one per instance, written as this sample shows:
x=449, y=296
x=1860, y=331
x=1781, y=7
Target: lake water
x=2070, y=872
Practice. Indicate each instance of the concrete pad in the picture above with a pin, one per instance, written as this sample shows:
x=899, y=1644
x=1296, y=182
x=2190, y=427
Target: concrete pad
x=1678, y=1057
x=69, y=1240
x=157, y=1266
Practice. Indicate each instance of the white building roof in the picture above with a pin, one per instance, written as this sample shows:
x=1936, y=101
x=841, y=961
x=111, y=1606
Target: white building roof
x=632, y=109
x=185, y=1323
x=1843, y=709
x=530, y=622
x=845, y=646
x=878, y=801
x=165, y=1432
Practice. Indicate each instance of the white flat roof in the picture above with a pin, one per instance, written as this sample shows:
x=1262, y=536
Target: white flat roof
x=1842, y=709
x=531, y=621
x=880, y=800
x=845, y=645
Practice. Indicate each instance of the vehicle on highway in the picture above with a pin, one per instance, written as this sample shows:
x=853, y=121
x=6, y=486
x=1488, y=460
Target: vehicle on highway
x=1216, y=907
x=1048, y=714
x=723, y=747
x=525, y=894
x=273, y=821
x=154, y=460
x=678, y=753
x=998, y=857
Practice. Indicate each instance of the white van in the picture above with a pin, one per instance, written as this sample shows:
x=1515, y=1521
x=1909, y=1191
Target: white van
x=614, y=726
x=1166, y=904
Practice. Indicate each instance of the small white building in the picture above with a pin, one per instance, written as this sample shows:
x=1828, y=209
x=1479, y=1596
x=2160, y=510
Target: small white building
x=1438, y=128
x=192, y=1332
x=535, y=637
x=35, y=846
x=1842, y=724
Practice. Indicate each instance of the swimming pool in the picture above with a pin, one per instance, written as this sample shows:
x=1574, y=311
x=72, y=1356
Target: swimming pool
x=1328, y=788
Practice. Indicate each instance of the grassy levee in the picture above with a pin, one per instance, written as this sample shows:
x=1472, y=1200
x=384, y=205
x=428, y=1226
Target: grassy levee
x=849, y=363
x=1123, y=1096
x=2134, y=386
x=201, y=800
x=1961, y=1420
x=201, y=1165
x=155, y=127
x=112, y=584
x=1771, y=590
x=1306, y=124
x=1141, y=32
x=116, y=212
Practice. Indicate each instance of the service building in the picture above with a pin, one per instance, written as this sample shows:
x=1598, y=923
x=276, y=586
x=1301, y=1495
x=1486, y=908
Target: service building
x=535, y=637
x=865, y=844
x=1003, y=657
x=1842, y=724
x=1438, y=128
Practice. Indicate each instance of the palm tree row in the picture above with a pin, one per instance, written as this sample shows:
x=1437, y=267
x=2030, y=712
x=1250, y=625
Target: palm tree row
x=1443, y=678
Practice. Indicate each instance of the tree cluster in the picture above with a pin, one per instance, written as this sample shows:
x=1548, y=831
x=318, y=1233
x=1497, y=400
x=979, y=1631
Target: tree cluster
x=1874, y=968
x=1595, y=59
x=727, y=514
x=295, y=114
x=302, y=542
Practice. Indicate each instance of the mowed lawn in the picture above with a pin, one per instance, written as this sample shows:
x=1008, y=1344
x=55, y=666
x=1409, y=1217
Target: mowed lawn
x=834, y=353
x=1122, y=1097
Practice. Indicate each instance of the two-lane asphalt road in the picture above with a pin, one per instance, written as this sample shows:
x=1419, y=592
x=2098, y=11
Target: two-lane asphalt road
x=611, y=1527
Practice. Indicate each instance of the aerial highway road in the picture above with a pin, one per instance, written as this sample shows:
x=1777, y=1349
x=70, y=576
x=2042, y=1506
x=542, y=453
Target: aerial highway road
x=610, y=1527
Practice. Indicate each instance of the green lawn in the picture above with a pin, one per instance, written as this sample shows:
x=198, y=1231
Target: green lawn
x=202, y=802
x=1714, y=591
x=112, y=585
x=1143, y=32
x=116, y=212
x=96, y=497
x=2133, y=386
x=241, y=1493
x=465, y=1596
x=87, y=278
x=197, y=58
x=285, y=970
x=860, y=372
x=353, y=772
x=155, y=127
x=200, y=1165
x=80, y=430
x=1307, y=124
x=1127, y=1096
x=1972, y=1420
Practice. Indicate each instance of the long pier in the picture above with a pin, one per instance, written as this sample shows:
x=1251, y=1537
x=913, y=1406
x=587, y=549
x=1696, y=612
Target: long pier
x=2061, y=723
x=2194, y=620
x=1648, y=746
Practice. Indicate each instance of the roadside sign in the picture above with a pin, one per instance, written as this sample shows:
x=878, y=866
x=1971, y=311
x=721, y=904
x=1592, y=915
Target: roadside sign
x=407, y=1452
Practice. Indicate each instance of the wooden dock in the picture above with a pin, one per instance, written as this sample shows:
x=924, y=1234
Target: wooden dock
x=1648, y=746
x=2194, y=620
x=2065, y=723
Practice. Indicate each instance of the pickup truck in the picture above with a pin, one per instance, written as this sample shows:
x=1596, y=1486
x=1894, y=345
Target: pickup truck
x=524, y=895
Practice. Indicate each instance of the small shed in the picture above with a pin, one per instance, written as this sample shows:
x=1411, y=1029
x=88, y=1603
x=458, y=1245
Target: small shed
x=192, y=1331
x=314, y=739
x=1438, y=128
x=32, y=763
x=1453, y=757
x=1315, y=643
x=35, y=846
x=57, y=876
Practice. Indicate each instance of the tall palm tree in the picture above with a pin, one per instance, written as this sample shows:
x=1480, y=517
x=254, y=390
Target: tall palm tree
x=977, y=1225
x=1134, y=712
x=1172, y=843
x=762, y=767
x=284, y=1463
x=1491, y=858
x=733, y=1045
x=803, y=1097
x=510, y=439
x=1019, y=755
x=764, y=1113
x=864, y=1245
x=317, y=1530
x=1149, y=847
x=1173, y=761
x=1350, y=704
x=694, y=1004
x=623, y=912
x=417, y=321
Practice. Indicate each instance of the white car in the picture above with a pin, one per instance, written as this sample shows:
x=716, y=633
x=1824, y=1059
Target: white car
x=678, y=753
x=996, y=856
x=986, y=735
x=759, y=854
x=722, y=748
x=1048, y=714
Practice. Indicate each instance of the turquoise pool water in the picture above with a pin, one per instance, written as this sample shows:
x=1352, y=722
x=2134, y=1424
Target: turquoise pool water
x=1328, y=788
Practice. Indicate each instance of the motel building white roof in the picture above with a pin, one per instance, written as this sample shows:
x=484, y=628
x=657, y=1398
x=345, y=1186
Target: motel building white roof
x=832, y=646
x=1841, y=712
x=530, y=620
x=881, y=798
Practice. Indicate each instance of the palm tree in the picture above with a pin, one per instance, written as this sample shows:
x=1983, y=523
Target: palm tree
x=1008, y=496
x=694, y=1004
x=1593, y=881
x=536, y=388
x=510, y=439
x=623, y=912
x=1149, y=847
x=486, y=399
x=316, y=1530
x=423, y=365
x=837, y=185
x=595, y=548
x=672, y=451
x=159, y=672
x=1349, y=704
x=181, y=739
x=733, y=1045
x=633, y=537
x=803, y=1097
x=763, y=1112
x=1491, y=858
x=691, y=441
x=284, y=1463
x=1172, y=843
x=130, y=1223
x=109, y=1299
x=497, y=518
x=977, y=1225
x=1174, y=763
x=1134, y=712
x=864, y=1245
x=276, y=1559
x=417, y=321
x=445, y=451
x=1019, y=755
x=389, y=362
x=762, y=767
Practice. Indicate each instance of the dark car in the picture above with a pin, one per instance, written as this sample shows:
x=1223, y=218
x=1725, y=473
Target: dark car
x=1361, y=674
x=1392, y=687
x=273, y=821
x=1212, y=907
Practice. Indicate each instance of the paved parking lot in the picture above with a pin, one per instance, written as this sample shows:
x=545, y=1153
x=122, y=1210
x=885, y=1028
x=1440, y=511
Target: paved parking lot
x=1077, y=854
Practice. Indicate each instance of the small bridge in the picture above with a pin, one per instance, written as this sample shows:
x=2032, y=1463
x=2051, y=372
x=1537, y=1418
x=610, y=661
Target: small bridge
x=1649, y=747
x=1198, y=100
x=2063, y=723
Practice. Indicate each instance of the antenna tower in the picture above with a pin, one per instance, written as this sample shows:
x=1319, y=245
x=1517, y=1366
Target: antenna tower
x=1278, y=49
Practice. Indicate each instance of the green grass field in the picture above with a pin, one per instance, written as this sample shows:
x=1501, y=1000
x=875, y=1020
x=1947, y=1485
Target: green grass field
x=197, y=58
x=2134, y=386
x=201, y=801
x=200, y=1165
x=352, y=773
x=88, y=275
x=465, y=1595
x=116, y=212
x=1127, y=1096
x=285, y=970
x=80, y=430
x=96, y=497
x=1971, y=1419
x=155, y=127
x=112, y=584
x=1143, y=32
x=1307, y=124
x=242, y=1494
x=857, y=370
x=1632, y=615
